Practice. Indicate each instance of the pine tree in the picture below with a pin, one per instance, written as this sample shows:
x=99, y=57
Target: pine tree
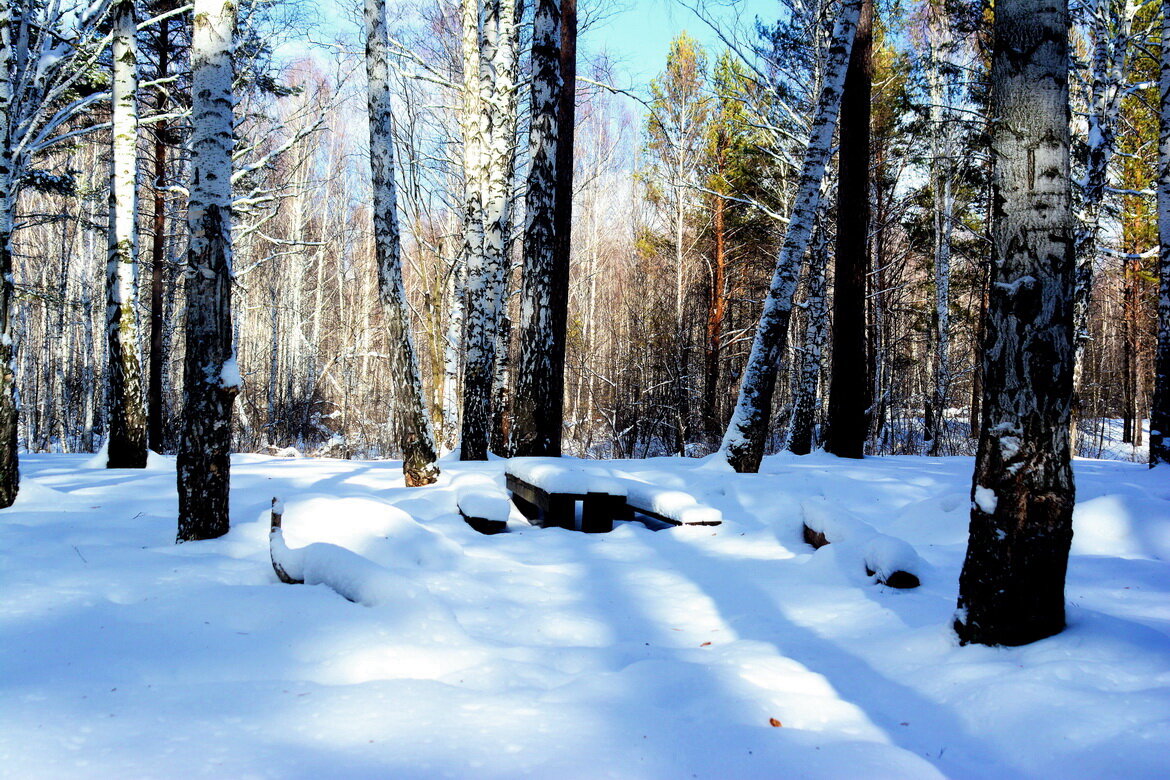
x=127, y=417
x=849, y=383
x=409, y=416
x=211, y=377
x=1011, y=590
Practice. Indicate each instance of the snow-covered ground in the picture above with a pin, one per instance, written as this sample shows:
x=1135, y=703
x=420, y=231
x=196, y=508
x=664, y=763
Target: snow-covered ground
x=554, y=654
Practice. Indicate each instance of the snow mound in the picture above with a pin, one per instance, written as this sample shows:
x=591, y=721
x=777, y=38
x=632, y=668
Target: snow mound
x=885, y=557
x=478, y=495
x=369, y=527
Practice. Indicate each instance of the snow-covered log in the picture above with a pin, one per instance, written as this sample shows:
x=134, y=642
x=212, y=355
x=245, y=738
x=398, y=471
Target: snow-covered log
x=127, y=414
x=483, y=503
x=409, y=414
x=743, y=442
x=891, y=561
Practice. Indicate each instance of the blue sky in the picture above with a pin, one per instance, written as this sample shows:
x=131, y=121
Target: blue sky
x=637, y=33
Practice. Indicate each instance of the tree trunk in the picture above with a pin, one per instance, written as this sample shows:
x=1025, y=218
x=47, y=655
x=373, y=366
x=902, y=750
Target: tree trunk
x=743, y=442
x=156, y=399
x=127, y=417
x=716, y=312
x=487, y=269
x=409, y=414
x=849, y=385
x=210, y=376
x=1011, y=590
x=544, y=292
x=1160, y=405
x=9, y=463
x=804, y=407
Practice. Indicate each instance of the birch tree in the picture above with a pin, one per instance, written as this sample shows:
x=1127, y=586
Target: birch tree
x=491, y=137
x=537, y=406
x=211, y=377
x=46, y=50
x=1160, y=406
x=409, y=412
x=1011, y=590
x=743, y=442
x=127, y=416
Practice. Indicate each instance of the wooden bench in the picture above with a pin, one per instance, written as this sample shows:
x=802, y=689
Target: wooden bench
x=559, y=510
x=667, y=506
x=482, y=503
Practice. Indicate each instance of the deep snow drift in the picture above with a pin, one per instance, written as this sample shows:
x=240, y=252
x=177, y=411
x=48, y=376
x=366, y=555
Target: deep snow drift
x=554, y=654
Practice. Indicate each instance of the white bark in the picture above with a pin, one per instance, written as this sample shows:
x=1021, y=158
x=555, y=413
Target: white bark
x=743, y=443
x=413, y=424
x=210, y=374
x=127, y=414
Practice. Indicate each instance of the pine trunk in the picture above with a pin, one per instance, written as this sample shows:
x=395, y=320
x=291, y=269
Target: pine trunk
x=1011, y=590
x=126, y=416
x=409, y=415
x=743, y=442
x=210, y=376
x=849, y=385
x=1160, y=405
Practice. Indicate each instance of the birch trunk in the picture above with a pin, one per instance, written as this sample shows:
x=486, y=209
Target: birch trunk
x=210, y=376
x=942, y=175
x=1160, y=405
x=9, y=463
x=1011, y=590
x=743, y=442
x=487, y=269
x=127, y=416
x=1106, y=77
x=804, y=408
x=412, y=422
x=155, y=406
x=538, y=412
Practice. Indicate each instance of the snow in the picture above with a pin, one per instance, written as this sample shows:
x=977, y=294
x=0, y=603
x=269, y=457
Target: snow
x=565, y=475
x=551, y=653
x=986, y=500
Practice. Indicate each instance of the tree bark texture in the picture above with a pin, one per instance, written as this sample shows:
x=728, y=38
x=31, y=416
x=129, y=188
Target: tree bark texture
x=210, y=375
x=1011, y=590
x=126, y=414
x=802, y=428
x=155, y=400
x=9, y=460
x=743, y=442
x=1160, y=405
x=495, y=58
x=408, y=412
x=849, y=383
x=544, y=290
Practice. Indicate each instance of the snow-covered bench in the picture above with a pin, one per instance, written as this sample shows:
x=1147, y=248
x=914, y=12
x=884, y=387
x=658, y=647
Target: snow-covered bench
x=482, y=503
x=667, y=505
x=891, y=561
x=547, y=491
